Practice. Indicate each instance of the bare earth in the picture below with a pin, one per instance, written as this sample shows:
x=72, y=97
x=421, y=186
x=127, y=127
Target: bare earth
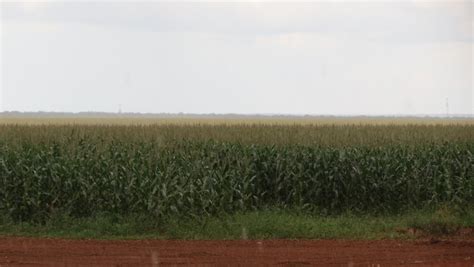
x=59, y=252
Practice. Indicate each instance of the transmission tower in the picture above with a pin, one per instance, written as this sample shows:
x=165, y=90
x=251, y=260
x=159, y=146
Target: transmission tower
x=447, y=107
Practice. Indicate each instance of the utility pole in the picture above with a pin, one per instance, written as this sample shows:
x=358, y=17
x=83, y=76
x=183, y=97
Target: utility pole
x=120, y=109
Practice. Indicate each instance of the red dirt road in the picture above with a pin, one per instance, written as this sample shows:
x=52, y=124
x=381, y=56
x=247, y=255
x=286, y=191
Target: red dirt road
x=58, y=252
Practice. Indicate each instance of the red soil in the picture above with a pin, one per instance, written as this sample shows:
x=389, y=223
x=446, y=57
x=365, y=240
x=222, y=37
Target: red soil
x=59, y=252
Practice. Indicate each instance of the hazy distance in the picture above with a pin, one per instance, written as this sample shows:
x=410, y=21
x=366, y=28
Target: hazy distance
x=331, y=58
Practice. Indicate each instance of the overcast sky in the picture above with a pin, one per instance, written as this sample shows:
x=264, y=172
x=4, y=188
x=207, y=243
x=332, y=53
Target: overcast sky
x=326, y=57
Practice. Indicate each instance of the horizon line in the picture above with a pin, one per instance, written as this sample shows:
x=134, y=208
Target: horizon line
x=128, y=114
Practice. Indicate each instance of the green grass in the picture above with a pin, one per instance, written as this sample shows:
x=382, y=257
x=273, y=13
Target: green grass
x=271, y=224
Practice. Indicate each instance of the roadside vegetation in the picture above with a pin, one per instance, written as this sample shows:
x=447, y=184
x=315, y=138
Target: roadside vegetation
x=267, y=224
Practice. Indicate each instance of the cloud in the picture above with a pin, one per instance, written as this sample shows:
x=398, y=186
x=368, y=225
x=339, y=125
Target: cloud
x=326, y=57
x=409, y=21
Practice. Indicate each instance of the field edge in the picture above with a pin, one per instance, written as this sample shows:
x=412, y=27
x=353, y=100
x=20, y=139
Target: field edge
x=270, y=224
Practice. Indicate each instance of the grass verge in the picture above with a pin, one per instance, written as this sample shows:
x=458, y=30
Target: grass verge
x=272, y=224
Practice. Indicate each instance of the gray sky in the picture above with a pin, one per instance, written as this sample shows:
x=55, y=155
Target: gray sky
x=326, y=57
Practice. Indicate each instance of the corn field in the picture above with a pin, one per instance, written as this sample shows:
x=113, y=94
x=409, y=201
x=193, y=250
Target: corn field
x=201, y=170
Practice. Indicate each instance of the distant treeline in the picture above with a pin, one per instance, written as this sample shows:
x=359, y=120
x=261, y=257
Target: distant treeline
x=91, y=114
